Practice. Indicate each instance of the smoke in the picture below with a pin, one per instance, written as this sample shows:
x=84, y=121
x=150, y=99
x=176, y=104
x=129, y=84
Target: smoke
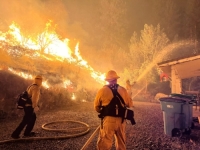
x=32, y=15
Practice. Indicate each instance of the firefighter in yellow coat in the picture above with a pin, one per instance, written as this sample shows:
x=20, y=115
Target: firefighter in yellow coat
x=30, y=110
x=111, y=126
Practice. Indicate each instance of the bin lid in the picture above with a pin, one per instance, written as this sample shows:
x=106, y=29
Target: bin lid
x=181, y=96
x=172, y=99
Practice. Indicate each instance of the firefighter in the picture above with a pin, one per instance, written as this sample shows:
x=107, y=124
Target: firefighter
x=29, y=118
x=129, y=87
x=111, y=126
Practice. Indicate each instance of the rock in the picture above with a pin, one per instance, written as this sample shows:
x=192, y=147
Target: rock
x=159, y=95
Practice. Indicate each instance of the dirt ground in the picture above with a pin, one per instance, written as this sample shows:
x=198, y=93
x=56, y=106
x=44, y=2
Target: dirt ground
x=147, y=134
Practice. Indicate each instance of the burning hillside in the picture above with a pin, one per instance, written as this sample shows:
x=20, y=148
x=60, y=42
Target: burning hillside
x=46, y=54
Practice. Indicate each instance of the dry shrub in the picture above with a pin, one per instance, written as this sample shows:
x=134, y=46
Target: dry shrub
x=61, y=98
x=11, y=86
x=53, y=98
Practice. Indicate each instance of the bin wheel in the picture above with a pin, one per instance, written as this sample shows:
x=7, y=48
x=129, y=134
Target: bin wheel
x=176, y=133
x=193, y=125
x=187, y=131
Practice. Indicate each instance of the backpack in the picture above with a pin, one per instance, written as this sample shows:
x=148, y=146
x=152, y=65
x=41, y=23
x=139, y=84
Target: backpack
x=117, y=107
x=24, y=99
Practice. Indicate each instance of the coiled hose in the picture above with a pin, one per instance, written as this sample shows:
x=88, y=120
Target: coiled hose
x=86, y=127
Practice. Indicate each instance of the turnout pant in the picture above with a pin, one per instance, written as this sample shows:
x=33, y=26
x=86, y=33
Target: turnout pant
x=28, y=121
x=112, y=127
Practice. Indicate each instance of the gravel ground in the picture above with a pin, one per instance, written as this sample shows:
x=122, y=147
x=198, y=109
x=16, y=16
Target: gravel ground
x=147, y=134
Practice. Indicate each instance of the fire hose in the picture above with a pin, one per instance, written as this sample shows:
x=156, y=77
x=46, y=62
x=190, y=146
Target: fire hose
x=86, y=127
x=90, y=139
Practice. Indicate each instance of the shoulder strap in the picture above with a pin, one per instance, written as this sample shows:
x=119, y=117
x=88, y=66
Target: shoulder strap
x=113, y=88
x=30, y=86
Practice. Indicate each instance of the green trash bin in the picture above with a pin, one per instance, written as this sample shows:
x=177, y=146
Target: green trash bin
x=176, y=113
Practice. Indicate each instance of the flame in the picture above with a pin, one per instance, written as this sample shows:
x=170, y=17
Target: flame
x=80, y=59
x=21, y=74
x=15, y=32
x=23, y=41
x=51, y=44
x=27, y=76
x=45, y=84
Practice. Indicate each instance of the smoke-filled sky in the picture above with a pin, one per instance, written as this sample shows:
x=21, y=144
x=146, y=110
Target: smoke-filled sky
x=32, y=14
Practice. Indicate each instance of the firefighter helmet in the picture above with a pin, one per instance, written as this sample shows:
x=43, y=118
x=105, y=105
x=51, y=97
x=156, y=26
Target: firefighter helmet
x=38, y=77
x=111, y=75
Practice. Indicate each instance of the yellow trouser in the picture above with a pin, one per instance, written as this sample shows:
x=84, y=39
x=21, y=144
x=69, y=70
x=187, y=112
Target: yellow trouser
x=112, y=127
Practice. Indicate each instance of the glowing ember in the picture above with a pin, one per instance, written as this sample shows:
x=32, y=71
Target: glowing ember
x=66, y=83
x=73, y=96
x=83, y=100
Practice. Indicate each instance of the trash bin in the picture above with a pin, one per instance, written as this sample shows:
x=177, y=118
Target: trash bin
x=191, y=99
x=176, y=116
